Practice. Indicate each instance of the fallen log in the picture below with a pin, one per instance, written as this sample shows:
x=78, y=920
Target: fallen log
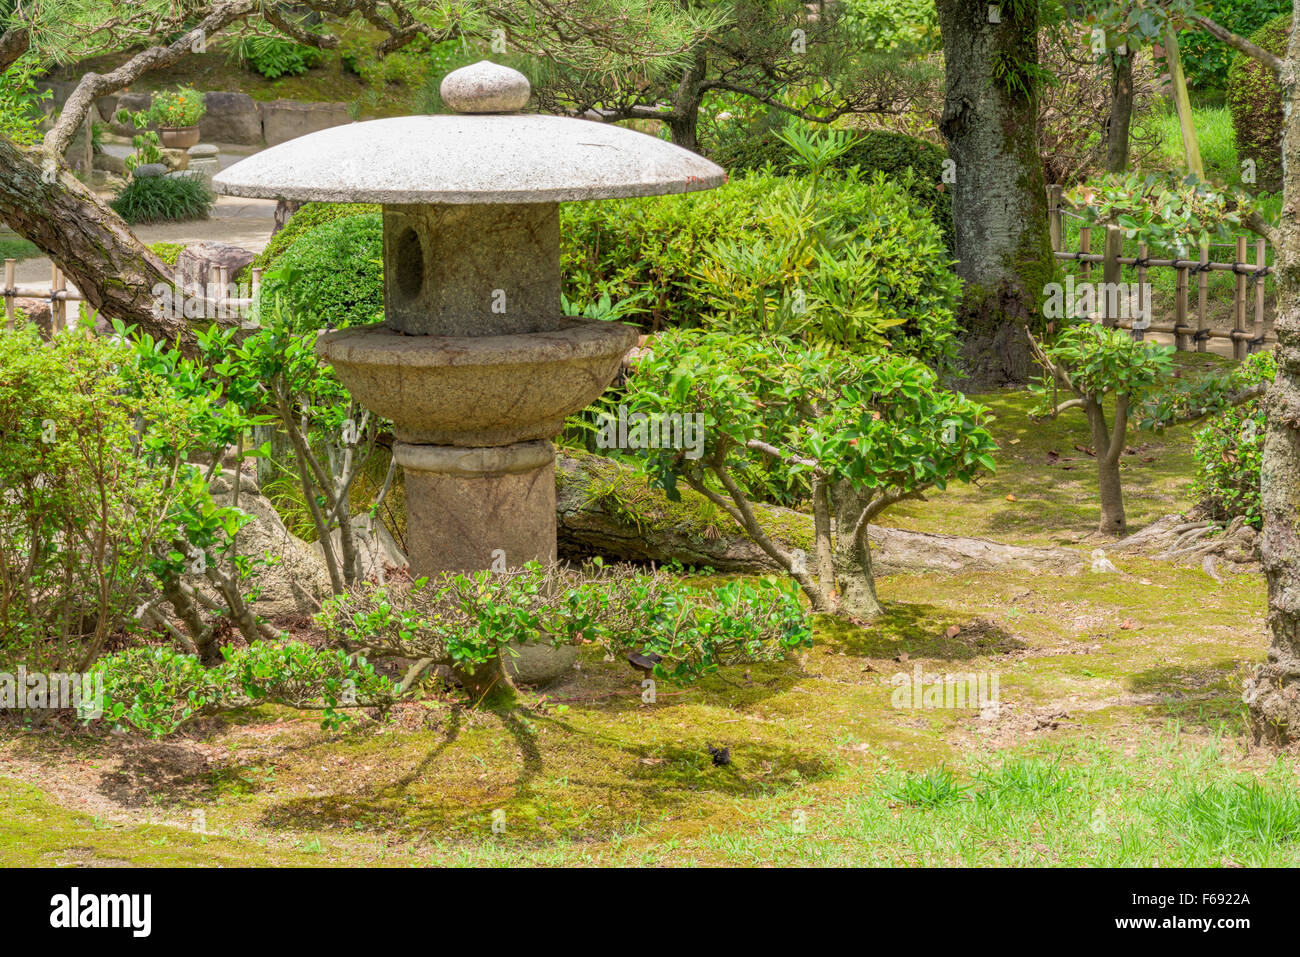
x=605, y=508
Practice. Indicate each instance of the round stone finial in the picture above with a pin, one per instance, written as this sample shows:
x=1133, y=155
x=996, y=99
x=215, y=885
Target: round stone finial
x=485, y=87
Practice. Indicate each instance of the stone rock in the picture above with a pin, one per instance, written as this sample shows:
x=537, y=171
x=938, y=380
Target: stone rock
x=146, y=170
x=539, y=664
x=295, y=585
x=284, y=120
x=380, y=554
x=231, y=117
x=107, y=106
x=204, y=166
x=200, y=150
x=132, y=103
x=195, y=263
x=485, y=87
x=38, y=311
x=176, y=159
x=110, y=163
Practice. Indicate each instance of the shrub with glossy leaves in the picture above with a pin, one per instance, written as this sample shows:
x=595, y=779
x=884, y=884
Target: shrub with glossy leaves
x=157, y=690
x=468, y=620
x=1228, y=453
x=860, y=433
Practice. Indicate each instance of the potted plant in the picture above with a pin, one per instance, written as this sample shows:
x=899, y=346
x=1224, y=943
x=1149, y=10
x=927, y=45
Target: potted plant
x=177, y=113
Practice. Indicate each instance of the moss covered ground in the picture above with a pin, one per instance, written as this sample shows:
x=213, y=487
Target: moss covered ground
x=1118, y=737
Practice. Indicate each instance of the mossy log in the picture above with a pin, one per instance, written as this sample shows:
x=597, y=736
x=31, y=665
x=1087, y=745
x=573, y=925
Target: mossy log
x=607, y=509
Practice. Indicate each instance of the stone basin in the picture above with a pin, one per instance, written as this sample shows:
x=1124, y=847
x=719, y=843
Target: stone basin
x=477, y=390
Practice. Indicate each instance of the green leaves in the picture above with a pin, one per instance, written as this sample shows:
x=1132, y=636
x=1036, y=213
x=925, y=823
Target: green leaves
x=470, y=619
x=156, y=690
x=876, y=422
x=1170, y=212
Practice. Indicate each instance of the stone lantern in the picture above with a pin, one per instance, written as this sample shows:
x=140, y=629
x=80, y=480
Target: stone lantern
x=475, y=362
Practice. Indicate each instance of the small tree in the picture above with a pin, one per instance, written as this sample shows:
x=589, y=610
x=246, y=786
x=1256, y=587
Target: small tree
x=863, y=432
x=1094, y=365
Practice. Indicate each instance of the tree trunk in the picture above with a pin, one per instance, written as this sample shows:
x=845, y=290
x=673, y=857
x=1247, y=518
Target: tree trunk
x=854, y=578
x=684, y=121
x=96, y=250
x=1121, y=112
x=1275, y=695
x=990, y=123
x=1113, y=521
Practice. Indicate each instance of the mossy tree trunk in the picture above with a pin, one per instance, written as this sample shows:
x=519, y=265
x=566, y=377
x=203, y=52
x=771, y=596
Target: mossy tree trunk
x=855, y=578
x=990, y=123
x=1275, y=697
x=49, y=207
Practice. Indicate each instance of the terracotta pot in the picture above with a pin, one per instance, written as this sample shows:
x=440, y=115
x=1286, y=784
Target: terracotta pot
x=178, y=137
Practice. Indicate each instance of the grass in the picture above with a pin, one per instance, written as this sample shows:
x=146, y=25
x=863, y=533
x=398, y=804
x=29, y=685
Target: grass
x=1118, y=739
x=15, y=247
x=158, y=199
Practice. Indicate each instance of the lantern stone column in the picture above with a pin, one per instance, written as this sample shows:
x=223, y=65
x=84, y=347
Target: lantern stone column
x=475, y=364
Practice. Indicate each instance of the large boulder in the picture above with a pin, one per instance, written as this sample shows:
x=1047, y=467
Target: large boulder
x=379, y=552
x=231, y=117
x=132, y=103
x=195, y=262
x=284, y=120
x=295, y=584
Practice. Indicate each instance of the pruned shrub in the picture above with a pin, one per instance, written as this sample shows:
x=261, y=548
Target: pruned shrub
x=470, y=620
x=881, y=258
x=748, y=147
x=163, y=199
x=331, y=274
x=308, y=216
x=1255, y=99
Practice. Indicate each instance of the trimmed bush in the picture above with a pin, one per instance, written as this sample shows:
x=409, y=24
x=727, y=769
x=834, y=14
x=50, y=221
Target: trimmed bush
x=670, y=251
x=1255, y=100
x=1207, y=59
x=163, y=199
x=332, y=274
x=748, y=148
x=308, y=216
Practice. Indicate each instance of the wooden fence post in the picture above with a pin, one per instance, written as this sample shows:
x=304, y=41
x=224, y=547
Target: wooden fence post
x=58, y=306
x=1054, y=216
x=1239, y=344
x=1202, y=301
x=10, y=266
x=1112, y=273
x=1085, y=247
x=1261, y=263
x=1180, y=311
